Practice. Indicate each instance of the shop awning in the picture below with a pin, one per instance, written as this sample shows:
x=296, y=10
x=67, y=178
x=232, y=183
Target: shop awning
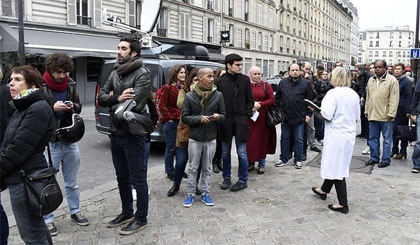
x=45, y=41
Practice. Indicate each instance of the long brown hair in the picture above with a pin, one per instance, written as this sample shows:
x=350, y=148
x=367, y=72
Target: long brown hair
x=174, y=72
x=189, y=81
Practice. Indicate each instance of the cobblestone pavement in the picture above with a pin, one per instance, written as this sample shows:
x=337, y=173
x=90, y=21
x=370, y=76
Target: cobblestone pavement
x=276, y=208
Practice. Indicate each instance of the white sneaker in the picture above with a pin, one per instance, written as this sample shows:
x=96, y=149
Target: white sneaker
x=279, y=163
x=134, y=194
x=366, y=151
x=298, y=165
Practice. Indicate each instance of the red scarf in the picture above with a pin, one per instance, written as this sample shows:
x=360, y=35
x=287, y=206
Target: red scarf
x=53, y=84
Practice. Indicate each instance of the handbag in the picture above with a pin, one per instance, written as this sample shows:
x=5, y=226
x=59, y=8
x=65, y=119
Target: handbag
x=274, y=115
x=41, y=190
x=407, y=133
x=183, y=132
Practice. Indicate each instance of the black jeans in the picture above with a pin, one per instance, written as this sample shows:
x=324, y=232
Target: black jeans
x=340, y=188
x=4, y=226
x=128, y=156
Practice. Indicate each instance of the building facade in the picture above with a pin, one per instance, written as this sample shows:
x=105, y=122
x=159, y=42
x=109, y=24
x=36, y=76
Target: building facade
x=391, y=44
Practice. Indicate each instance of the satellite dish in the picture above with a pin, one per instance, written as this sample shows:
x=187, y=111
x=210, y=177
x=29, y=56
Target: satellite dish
x=150, y=11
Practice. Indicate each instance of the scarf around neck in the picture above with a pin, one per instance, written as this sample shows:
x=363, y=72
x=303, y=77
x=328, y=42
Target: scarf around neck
x=128, y=67
x=25, y=93
x=53, y=84
x=204, y=93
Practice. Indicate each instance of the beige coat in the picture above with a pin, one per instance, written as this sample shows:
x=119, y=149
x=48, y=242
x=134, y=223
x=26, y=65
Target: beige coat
x=382, y=99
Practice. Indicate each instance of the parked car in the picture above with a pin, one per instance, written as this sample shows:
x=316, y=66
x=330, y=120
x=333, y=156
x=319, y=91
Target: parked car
x=274, y=82
x=159, y=70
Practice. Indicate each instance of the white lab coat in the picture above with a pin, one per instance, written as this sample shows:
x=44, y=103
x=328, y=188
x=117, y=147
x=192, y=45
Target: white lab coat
x=341, y=107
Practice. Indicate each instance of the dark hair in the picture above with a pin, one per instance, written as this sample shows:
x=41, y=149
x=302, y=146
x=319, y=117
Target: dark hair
x=193, y=73
x=31, y=75
x=134, y=45
x=231, y=58
x=59, y=61
x=401, y=65
x=174, y=72
x=218, y=71
x=383, y=62
x=288, y=68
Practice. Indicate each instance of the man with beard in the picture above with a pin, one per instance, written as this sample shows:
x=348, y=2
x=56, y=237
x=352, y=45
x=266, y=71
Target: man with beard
x=129, y=80
x=64, y=99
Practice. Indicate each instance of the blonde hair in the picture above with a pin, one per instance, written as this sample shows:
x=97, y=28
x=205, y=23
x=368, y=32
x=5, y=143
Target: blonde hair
x=340, y=77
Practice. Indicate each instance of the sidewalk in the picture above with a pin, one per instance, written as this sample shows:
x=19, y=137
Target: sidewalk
x=276, y=208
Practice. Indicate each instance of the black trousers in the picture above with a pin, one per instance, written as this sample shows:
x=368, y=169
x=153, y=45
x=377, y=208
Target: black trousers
x=340, y=188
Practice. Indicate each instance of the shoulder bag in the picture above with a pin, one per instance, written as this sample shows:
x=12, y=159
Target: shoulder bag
x=41, y=190
x=407, y=132
x=274, y=114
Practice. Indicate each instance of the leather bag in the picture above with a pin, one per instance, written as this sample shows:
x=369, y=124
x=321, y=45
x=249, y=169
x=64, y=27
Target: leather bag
x=274, y=114
x=183, y=132
x=407, y=133
x=41, y=189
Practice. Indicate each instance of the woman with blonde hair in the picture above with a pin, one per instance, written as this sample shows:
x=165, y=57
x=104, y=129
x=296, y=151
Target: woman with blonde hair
x=340, y=110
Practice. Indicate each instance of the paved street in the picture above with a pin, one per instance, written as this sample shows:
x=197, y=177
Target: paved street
x=276, y=208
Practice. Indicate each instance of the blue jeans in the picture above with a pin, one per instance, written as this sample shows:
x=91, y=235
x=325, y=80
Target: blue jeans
x=68, y=156
x=375, y=129
x=416, y=152
x=286, y=131
x=4, y=226
x=170, y=130
x=129, y=158
x=243, y=160
x=181, y=163
x=32, y=229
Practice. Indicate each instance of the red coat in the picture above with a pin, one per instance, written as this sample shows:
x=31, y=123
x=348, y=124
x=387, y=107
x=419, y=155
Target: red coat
x=262, y=139
x=167, y=103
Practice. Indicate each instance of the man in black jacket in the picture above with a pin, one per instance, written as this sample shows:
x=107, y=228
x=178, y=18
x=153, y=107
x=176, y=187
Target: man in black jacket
x=203, y=108
x=237, y=94
x=129, y=80
x=290, y=96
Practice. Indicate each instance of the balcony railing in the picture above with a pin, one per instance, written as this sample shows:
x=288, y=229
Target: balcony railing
x=84, y=20
x=161, y=32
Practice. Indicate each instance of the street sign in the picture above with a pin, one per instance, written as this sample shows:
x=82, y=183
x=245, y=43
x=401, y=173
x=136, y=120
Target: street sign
x=415, y=53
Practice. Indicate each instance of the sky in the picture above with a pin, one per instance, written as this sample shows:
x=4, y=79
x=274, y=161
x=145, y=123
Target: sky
x=380, y=13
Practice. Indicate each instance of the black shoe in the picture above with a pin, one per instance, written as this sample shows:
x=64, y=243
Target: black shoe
x=226, y=184
x=251, y=166
x=174, y=189
x=383, y=165
x=315, y=149
x=371, y=162
x=79, y=219
x=197, y=191
x=304, y=158
x=185, y=175
x=238, y=186
x=170, y=176
x=132, y=227
x=120, y=220
x=361, y=135
x=323, y=196
x=215, y=168
x=52, y=229
x=343, y=210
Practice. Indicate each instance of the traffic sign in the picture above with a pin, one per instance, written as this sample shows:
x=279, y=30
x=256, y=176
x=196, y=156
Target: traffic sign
x=415, y=53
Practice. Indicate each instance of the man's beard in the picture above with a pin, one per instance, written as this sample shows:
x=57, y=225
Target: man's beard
x=124, y=60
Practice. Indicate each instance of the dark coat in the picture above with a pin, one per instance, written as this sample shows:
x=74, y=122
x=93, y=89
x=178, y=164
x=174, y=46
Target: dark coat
x=237, y=94
x=25, y=138
x=192, y=112
x=289, y=97
x=404, y=104
x=72, y=95
x=139, y=79
x=6, y=110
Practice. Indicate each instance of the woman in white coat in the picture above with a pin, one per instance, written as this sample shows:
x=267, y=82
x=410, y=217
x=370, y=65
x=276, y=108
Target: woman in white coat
x=340, y=109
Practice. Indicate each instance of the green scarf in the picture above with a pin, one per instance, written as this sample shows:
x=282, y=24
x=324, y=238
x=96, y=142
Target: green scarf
x=204, y=93
x=128, y=67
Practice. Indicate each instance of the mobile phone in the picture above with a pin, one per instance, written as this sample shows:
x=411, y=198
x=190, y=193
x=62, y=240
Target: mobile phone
x=210, y=117
x=67, y=102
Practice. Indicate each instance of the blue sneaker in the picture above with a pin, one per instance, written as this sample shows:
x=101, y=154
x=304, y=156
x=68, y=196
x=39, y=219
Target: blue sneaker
x=207, y=200
x=189, y=201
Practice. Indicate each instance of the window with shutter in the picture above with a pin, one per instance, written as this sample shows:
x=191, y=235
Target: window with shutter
x=71, y=12
x=97, y=13
x=205, y=29
x=132, y=12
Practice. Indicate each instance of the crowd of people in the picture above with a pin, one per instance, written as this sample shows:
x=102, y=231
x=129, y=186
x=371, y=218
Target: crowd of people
x=201, y=111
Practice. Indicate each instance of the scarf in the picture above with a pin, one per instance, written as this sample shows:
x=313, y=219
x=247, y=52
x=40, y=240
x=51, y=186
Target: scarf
x=53, y=84
x=400, y=77
x=204, y=93
x=25, y=93
x=129, y=66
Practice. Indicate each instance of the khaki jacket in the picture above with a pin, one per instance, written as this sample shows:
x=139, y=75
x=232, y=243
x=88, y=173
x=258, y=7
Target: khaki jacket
x=382, y=99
